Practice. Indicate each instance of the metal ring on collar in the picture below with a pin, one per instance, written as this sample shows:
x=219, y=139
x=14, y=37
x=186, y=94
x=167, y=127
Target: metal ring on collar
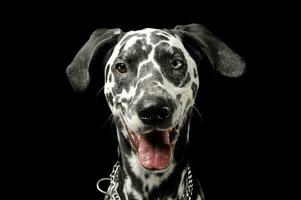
x=101, y=180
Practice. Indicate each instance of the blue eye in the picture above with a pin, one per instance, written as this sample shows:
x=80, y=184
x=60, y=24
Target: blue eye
x=121, y=67
x=177, y=63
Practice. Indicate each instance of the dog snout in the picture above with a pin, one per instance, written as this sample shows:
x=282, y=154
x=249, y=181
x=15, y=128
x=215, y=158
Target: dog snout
x=154, y=110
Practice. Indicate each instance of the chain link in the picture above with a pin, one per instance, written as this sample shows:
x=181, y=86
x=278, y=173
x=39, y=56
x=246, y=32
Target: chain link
x=112, y=194
x=188, y=185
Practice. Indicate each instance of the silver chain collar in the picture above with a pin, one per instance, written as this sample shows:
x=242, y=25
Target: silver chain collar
x=112, y=194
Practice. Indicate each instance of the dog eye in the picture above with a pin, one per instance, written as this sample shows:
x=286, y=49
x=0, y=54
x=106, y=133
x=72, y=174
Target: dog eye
x=121, y=67
x=177, y=63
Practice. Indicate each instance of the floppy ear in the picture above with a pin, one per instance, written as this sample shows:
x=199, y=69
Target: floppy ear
x=221, y=57
x=78, y=70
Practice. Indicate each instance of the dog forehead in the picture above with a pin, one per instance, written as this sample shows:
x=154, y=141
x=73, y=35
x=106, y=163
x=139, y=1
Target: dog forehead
x=150, y=35
x=140, y=39
x=146, y=40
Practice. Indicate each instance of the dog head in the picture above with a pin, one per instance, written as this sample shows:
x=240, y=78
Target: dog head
x=151, y=81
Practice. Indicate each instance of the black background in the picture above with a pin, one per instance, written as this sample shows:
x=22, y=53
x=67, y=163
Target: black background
x=63, y=142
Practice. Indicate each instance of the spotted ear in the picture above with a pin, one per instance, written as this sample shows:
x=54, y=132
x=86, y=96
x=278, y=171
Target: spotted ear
x=78, y=71
x=221, y=57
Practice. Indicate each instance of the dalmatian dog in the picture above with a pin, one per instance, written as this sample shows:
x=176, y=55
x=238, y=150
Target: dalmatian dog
x=151, y=82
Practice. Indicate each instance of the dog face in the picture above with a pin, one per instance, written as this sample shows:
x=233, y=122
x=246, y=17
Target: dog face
x=151, y=80
x=150, y=85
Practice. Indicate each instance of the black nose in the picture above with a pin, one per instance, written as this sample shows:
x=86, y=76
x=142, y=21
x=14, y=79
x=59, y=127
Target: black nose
x=153, y=110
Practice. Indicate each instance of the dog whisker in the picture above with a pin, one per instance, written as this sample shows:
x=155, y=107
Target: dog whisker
x=106, y=122
x=99, y=91
x=199, y=113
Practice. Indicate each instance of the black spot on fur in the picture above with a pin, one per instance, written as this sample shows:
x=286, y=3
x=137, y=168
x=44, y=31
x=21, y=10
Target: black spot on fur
x=160, y=174
x=194, y=89
x=110, y=78
x=179, y=97
x=164, y=55
x=141, y=45
x=123, y=100
x=146, y=189
x=107, y=71
x=195, y=73
x=146, y=176
x=187, y=79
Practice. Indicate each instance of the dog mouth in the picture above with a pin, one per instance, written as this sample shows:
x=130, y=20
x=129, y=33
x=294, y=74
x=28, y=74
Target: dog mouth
x=154, y=148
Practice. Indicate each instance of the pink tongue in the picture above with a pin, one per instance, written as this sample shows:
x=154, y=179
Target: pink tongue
x=154, y=150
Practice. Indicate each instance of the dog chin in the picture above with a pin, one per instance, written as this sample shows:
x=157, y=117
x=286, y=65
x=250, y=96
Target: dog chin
x=154, y=148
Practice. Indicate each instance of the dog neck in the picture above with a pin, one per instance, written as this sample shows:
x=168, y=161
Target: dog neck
x=135, y=182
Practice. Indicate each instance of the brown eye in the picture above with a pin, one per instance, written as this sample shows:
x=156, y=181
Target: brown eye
x=177, y=63
x=121, y=67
